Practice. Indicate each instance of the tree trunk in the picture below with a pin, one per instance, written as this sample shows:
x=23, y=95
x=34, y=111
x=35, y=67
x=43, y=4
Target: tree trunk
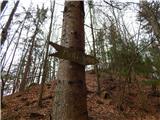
x=16, y=46
x=45, y=65
x=28, y=64
x=3, y=60
x=5, y=29
x=53, y=72
x=2, y=90
x=3, y=4
x=8, y=71
x=40, y=71
x=94, y=48
x=70, y=95
x=33, y=74
x=151, y=17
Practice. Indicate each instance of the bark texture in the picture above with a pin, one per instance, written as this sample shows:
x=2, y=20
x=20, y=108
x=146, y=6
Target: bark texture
x=70, y=94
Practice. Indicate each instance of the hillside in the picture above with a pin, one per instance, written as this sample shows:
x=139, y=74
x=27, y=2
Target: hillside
x=23, y=105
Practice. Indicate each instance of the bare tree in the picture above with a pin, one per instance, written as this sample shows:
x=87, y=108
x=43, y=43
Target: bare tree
x=40, y=17
x=29, y=59
x=3, y=4
x=150, y=14
x=11, y=63
x=45, y=64
x=5, y=29
x=94, y=46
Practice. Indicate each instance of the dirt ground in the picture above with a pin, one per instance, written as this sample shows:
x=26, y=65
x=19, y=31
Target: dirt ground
x=112, y=104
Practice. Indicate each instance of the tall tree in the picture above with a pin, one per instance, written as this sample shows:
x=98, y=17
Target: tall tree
x=3, y=4
x=149, y=14
x=94, y=45
x=5, y=29
x=41, y=16
x=45, y=65
x=11, y=63
x=70, y=95
x=29, y=59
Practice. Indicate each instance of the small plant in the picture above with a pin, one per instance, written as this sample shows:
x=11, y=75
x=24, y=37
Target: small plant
x=152, y=82
x=154, y=85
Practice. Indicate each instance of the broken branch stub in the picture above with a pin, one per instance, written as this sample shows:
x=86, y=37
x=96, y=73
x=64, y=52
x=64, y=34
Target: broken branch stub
x=72, y=55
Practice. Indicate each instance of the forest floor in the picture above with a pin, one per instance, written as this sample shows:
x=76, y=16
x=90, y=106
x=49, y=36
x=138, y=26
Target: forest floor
x=114, y=103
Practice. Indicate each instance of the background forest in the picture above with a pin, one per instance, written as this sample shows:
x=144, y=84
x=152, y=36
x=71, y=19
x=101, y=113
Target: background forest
x=124, y=36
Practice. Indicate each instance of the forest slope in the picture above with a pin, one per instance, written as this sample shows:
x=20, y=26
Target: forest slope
x=23, y=105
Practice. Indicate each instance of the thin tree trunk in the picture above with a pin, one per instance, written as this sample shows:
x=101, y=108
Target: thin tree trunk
x=151, y=18
x=70, y=95
x=16, y=46
x=53, y=74
x=49, y=69
x=45, y=65
x=21, y=66
x=33, y=69
x=35, y=73
x=5, y=29
x=28, y=64
x=40, y=71
x=94, y=48
x=2, y=89
x=3, y=4
x=6, y=51
x=41, y=65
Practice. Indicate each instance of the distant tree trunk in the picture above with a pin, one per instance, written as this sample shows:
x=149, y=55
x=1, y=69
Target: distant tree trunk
x=5, y=29
x=16, y=46
x=36, y=72
x=49, y=69
x=150, y=14
x=53, y=74
x=94, y=47
x=28, y=64
x=45, y=65
x=8, y=45
x=40, y=71
x=2, y=89
x=20, y=68
x=3, y=4
x=21, y=65
x=8, y=71
x=70, y=95
x=40, y=17
x=14, y=86
x=33, y=69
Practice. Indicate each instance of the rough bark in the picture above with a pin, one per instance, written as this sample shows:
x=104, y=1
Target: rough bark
x=70, y=94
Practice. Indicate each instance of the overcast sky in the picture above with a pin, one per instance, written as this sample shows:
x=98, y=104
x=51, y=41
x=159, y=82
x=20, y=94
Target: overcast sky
x=129, y=15
x=58, y=11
